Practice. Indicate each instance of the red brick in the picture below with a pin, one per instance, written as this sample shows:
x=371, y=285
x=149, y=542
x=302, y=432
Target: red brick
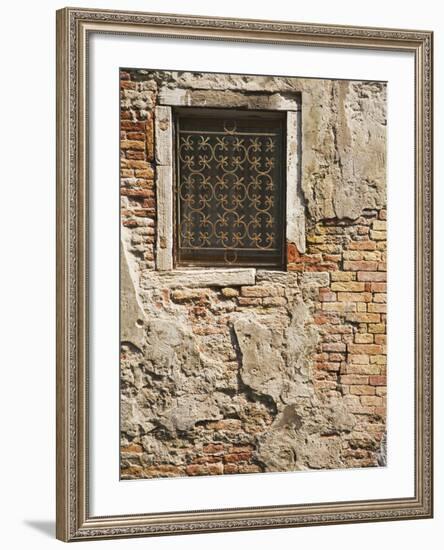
x=132, y=126
x=293, y=255
x=132, y=448
x=378, y=380
x=137, y=155
x=362, y=245
x=131, y=144
x=213, y=448
x=378, y=287
x=320, y=319
x=215, y=469
x=326, y=296
x=237, y=457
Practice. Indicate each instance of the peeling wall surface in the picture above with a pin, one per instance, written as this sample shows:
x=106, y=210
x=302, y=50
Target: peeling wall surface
x=254, y=370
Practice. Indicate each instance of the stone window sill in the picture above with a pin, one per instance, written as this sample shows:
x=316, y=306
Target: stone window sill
x=218, y=277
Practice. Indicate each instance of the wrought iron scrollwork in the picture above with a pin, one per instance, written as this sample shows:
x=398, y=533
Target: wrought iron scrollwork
x=229, y=191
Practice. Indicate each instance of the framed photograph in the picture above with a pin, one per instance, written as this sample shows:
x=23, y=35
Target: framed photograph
x=244, y=274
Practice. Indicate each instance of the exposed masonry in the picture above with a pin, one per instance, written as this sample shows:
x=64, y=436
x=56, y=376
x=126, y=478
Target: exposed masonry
x=244, y=370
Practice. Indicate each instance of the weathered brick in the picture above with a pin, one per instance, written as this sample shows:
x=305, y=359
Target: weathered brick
x=332, y=346
x=132, y=126
x=326, y=296
x=362, y=369
x=132, y=448
x=378, y=380
x=354, y=296
x=372, y=401
x=357, y=358
x=372, y=276
x=343, y=276
x=274, y=301
x=230, y=292
x=377, y=308
x=370, y=349
x=364, y=338
x=347, y=286
x=354, y=379
x=378, y=235
x=249, y=301
x=231, y=468
x=237, y=457
x=362, y=245
x=256, y=291
x=340, y=307
x=328, y=366
x=378, y=225
x=131, y=144
x=360, y=266
x=135, y=136
x=377, y=328
x=188, y=295
x=378, y=359
x=213, y=448
x=363, y=317
x=363, y=389
x=378, y=287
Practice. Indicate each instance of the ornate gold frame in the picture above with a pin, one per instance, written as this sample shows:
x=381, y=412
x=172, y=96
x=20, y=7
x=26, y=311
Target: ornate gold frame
x=73, y=519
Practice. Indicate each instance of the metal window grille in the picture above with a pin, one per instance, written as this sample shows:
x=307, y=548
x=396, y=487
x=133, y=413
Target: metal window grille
x=230, y=188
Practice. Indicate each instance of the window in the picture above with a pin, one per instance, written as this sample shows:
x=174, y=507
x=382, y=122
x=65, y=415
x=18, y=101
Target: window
x=230, y=187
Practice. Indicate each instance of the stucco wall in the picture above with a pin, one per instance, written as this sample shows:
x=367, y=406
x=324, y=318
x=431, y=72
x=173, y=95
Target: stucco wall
x=259, y=370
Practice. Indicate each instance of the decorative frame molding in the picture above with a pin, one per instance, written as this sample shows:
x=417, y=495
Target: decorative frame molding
x=74, y=521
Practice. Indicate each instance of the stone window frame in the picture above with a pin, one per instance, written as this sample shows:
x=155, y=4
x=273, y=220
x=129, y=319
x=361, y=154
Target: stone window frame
x=164, y=153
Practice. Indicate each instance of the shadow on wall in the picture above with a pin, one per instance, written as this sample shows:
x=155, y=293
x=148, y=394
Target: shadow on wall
x=47, y=527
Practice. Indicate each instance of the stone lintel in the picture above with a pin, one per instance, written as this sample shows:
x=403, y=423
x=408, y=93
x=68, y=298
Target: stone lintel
x=230, y=99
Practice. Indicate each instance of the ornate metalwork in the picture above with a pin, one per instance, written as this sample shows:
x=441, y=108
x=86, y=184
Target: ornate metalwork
x=230, y=189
